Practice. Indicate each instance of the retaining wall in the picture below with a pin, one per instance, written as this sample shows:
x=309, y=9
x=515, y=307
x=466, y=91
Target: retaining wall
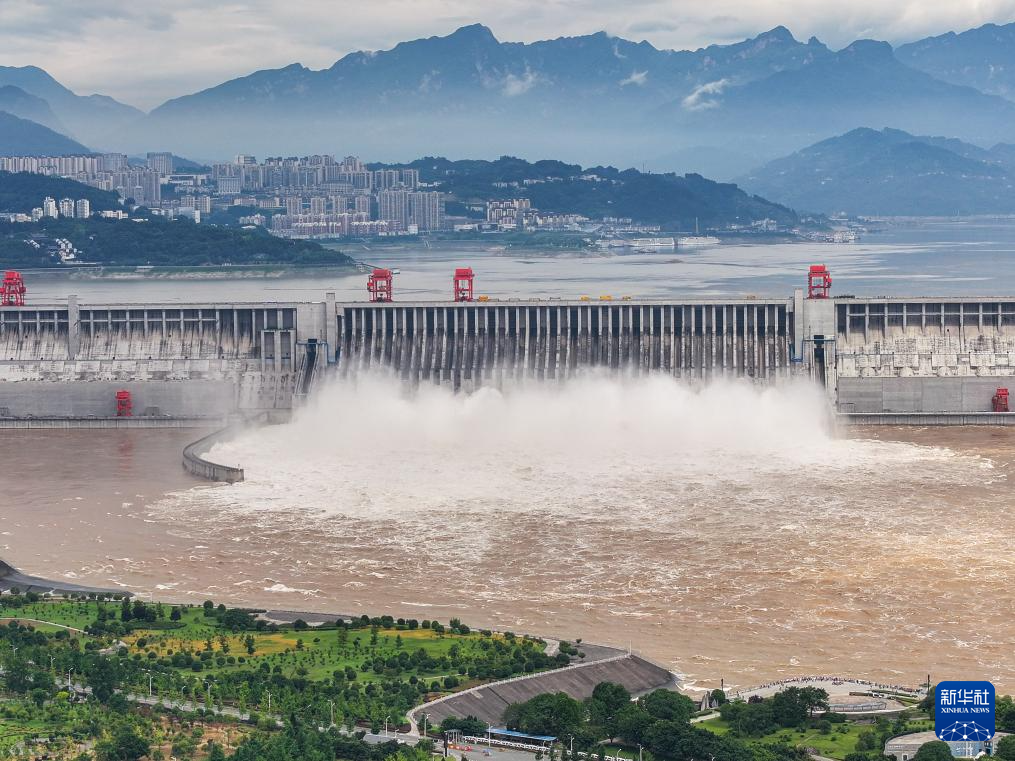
x=193, y=398
x=488, y=702
x=196, y=464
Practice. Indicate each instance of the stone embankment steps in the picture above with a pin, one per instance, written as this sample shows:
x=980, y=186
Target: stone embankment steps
x=487, y=702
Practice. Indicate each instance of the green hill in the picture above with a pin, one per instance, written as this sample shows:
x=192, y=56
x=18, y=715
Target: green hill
x=23, y=191
x=670, y=200
x=156, y=241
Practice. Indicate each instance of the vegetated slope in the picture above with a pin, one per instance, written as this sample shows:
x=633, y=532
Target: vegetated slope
x=892, y=172
x=23, y=191
x=670, y=200
x=157, y=241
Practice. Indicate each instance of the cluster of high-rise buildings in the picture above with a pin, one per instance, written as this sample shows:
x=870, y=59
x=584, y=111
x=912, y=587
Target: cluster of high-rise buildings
x=107, y=171
x=319, y=196
x=308, y=197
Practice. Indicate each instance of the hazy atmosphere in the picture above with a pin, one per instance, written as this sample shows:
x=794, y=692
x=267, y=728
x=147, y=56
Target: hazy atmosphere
x=75, y=38
x=541, y=380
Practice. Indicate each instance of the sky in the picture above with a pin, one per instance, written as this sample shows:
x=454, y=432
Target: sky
x=146, y=53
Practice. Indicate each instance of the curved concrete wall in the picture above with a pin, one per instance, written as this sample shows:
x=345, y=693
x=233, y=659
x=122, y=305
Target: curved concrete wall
x=194, y=463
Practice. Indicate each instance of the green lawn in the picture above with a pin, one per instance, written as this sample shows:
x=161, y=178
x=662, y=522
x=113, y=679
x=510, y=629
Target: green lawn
x=836, y=744
x=67, y=613
x=833, y=745
x=319, y=651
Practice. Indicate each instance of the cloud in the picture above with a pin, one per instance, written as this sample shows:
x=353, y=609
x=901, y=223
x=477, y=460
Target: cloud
x=699, y=99
x=515, y=85
x=637, y=78
x=145, y=53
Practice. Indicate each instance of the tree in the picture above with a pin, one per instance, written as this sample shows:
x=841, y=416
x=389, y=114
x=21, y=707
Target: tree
x=1005, y=748
x=176, y=615
x=668, y=705
x=125, y=745
x=103, y=678
x=679, y=740
x=631, y=723
x=935, y=750
x=555, y=714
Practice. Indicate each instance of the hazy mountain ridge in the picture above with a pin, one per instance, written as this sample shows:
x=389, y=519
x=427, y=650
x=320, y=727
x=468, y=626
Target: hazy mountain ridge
x=592, y=97
x=891, y=172
x=716, y=110
x=90, y=118
x=23, y=137
x=983, y=58
x=16, y=101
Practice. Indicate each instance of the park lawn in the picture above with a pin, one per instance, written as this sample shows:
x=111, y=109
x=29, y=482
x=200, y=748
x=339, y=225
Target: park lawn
x=76, y=615
x=41, y=627
x=836, y=744
x=321, y=654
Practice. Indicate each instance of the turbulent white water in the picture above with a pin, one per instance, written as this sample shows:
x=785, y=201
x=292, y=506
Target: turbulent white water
x=369, y=447
x=727, y=530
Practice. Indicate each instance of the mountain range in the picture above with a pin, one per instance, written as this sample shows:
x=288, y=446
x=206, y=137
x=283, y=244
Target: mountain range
x=23, y=137
x=719, y=110
x=891, y=172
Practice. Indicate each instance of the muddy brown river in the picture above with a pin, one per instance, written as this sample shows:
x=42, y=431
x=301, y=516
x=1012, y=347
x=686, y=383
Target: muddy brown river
x=724, y=533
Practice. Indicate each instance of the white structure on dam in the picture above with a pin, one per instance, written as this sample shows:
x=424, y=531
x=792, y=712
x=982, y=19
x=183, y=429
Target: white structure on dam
x=874, y=355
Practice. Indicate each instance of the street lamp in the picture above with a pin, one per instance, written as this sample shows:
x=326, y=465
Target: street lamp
x=425, y=717
x=639, y=751
x=386, y=725
x=331, y=709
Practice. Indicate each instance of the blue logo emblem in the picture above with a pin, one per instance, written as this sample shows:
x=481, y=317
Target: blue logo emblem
x=964, y=711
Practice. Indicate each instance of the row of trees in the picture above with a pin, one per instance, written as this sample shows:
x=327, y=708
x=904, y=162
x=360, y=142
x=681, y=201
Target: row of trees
x=659, y=721
x=791, y=707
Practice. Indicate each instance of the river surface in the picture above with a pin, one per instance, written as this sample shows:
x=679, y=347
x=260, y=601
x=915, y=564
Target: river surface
x=726, y=533
x=927, y=257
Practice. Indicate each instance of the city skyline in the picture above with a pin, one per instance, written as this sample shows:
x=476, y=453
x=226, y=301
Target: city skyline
x=76, y=47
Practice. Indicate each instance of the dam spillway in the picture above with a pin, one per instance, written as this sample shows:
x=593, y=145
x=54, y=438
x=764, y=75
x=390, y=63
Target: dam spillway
x=469, y=344
x=873, y=355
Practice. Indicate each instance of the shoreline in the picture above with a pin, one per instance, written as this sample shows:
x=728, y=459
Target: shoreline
x=11, y=577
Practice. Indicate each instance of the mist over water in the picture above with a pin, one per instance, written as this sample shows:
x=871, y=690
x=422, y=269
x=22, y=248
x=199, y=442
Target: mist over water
x=370, y=447
x=725, y=531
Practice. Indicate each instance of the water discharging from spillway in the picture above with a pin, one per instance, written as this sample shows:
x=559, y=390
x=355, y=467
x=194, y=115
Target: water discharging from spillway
x=726, y=531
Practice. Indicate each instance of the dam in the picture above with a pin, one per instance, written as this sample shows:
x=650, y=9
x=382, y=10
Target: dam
x=873, y=356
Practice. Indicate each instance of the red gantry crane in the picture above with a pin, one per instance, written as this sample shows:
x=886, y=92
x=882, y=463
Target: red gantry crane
x=12, y=290
x=999, y=402
x=124, y=404
x=819, y=282
x=462, y=285
x=380, y=285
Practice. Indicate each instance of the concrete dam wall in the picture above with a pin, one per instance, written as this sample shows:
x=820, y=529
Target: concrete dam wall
x=919, y=355
x=180, y=360
x=471, y=344
x=874, y=356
